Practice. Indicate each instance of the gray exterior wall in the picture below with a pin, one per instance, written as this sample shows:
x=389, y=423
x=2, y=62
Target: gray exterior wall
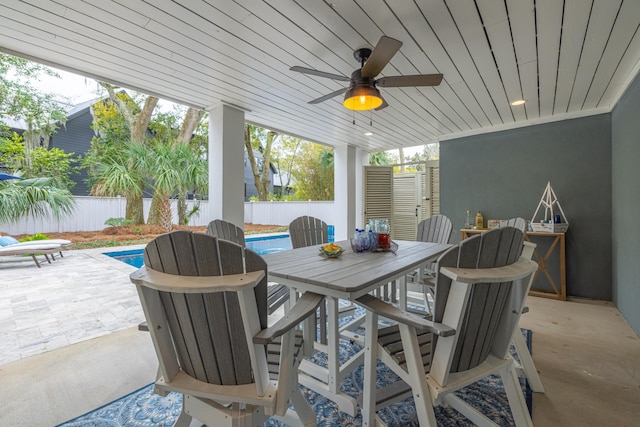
x=504, y=174
x=75, y=137
x=626, y=204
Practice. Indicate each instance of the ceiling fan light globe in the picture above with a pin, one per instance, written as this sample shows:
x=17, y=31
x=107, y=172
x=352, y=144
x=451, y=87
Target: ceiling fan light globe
x=362, y=98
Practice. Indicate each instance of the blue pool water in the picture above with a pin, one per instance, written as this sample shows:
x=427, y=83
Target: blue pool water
x=261, y=245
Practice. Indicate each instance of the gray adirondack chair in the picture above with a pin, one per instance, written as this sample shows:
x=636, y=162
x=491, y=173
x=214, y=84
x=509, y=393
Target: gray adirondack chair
x=481, y=288
x=203, y=299
x=436, y=229
x=308, y=231
x=526, y=367
x=277, y=294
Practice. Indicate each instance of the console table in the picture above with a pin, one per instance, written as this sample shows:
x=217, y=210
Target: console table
x=550, y=281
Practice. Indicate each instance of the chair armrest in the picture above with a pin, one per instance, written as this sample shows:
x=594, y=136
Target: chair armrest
x=303, y=308
x=194, y=284
x=394, y=313
x=518, y=270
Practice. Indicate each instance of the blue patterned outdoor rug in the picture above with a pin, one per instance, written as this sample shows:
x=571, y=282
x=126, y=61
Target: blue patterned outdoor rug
x=142, y=408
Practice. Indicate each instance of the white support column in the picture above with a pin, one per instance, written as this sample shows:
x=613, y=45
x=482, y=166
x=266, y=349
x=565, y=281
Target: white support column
x=348, y=162
x=226, y=164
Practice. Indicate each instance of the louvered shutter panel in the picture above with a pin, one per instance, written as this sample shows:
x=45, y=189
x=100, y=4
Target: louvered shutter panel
x=378, y=193
x=434, y=189
x=404, y=225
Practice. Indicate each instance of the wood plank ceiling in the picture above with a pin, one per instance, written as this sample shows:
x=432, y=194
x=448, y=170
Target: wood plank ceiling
x=566, y=58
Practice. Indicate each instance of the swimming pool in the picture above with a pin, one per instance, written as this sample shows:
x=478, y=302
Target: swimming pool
x=262, y=245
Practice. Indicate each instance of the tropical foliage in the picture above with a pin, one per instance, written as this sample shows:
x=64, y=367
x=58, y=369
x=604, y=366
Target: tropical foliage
x=169, y=157
x=46, y=193
x=35, y=197
x=45, y=162
x=313, y=173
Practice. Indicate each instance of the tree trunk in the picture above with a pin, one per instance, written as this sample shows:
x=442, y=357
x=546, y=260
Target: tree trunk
x=182, y=209
x=252, y=163
x=189, y=124
x=165, y=214
x=265, y=179
x=135, y=211
x=155, y=210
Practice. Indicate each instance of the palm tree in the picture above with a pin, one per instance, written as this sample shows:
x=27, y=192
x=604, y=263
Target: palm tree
x=35, y=197
x=118, y=173
x=173, y=170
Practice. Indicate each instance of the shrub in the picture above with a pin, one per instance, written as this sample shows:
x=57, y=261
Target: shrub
x=37, y=236
x=118, y=222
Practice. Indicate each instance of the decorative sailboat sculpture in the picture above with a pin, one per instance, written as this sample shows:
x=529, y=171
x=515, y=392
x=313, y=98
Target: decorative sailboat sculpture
x=552, y=222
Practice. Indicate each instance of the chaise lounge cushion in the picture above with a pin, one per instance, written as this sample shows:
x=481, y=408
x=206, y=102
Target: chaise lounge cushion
x=7, y=241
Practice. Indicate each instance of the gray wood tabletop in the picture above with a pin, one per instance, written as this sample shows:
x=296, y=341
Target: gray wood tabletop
x=352, y=273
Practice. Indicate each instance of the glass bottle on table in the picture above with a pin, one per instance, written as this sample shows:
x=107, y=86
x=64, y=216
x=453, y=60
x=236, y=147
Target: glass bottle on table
x=467, y=222
x=479, y=220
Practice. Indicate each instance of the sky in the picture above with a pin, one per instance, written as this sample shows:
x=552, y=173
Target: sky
x=76, y=89
x=70, y=87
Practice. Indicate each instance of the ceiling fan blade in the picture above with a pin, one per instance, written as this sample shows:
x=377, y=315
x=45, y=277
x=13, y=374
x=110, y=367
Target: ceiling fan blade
x=319, y=73
x=417, y=80
x=328, y=96
x=380, y=56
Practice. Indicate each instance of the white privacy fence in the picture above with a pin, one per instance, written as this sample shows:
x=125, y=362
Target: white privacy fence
x=282, y=213
x=91, y=213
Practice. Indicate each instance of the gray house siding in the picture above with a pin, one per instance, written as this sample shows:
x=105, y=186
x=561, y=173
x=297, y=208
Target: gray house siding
x=75, y=137
x=503, y=175
x=626, y=204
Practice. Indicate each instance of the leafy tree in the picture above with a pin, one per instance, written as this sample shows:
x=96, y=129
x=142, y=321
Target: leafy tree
x=53, y=162
x=171, y=161
x=283, y=158
x=314, y=173
x=20, y=100
x=137, y=119
x=256, y=138
x=379, y=158
x=112, y=170
x=35, y=197
x=185, y=149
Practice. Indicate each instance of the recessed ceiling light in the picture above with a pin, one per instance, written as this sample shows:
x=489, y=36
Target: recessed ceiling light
x=369, y=133
x=518, y=102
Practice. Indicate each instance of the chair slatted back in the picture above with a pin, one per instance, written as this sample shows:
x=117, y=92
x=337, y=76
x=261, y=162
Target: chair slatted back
x=226, y=231
x=486, y=304
x=308, y=231
x=518, y=223
x=436, y=229
x=207, y=329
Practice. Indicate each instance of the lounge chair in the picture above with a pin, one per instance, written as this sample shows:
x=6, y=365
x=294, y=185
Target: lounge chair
x=10, y=246
x=32, y=250
x=12, y=241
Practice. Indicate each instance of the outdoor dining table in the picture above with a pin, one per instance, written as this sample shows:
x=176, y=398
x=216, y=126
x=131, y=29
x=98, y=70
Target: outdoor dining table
x=347, y=277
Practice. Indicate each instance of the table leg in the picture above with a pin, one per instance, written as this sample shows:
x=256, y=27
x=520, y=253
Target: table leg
x=403, y=292
x=333, y=337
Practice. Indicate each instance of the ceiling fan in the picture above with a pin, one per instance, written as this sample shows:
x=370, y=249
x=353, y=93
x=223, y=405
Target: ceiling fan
x=363, y=93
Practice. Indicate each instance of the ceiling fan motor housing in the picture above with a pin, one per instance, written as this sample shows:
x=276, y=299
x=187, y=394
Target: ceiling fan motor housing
x=362, y=55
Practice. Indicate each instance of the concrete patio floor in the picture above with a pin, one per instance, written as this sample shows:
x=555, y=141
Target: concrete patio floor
x=69, y=344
